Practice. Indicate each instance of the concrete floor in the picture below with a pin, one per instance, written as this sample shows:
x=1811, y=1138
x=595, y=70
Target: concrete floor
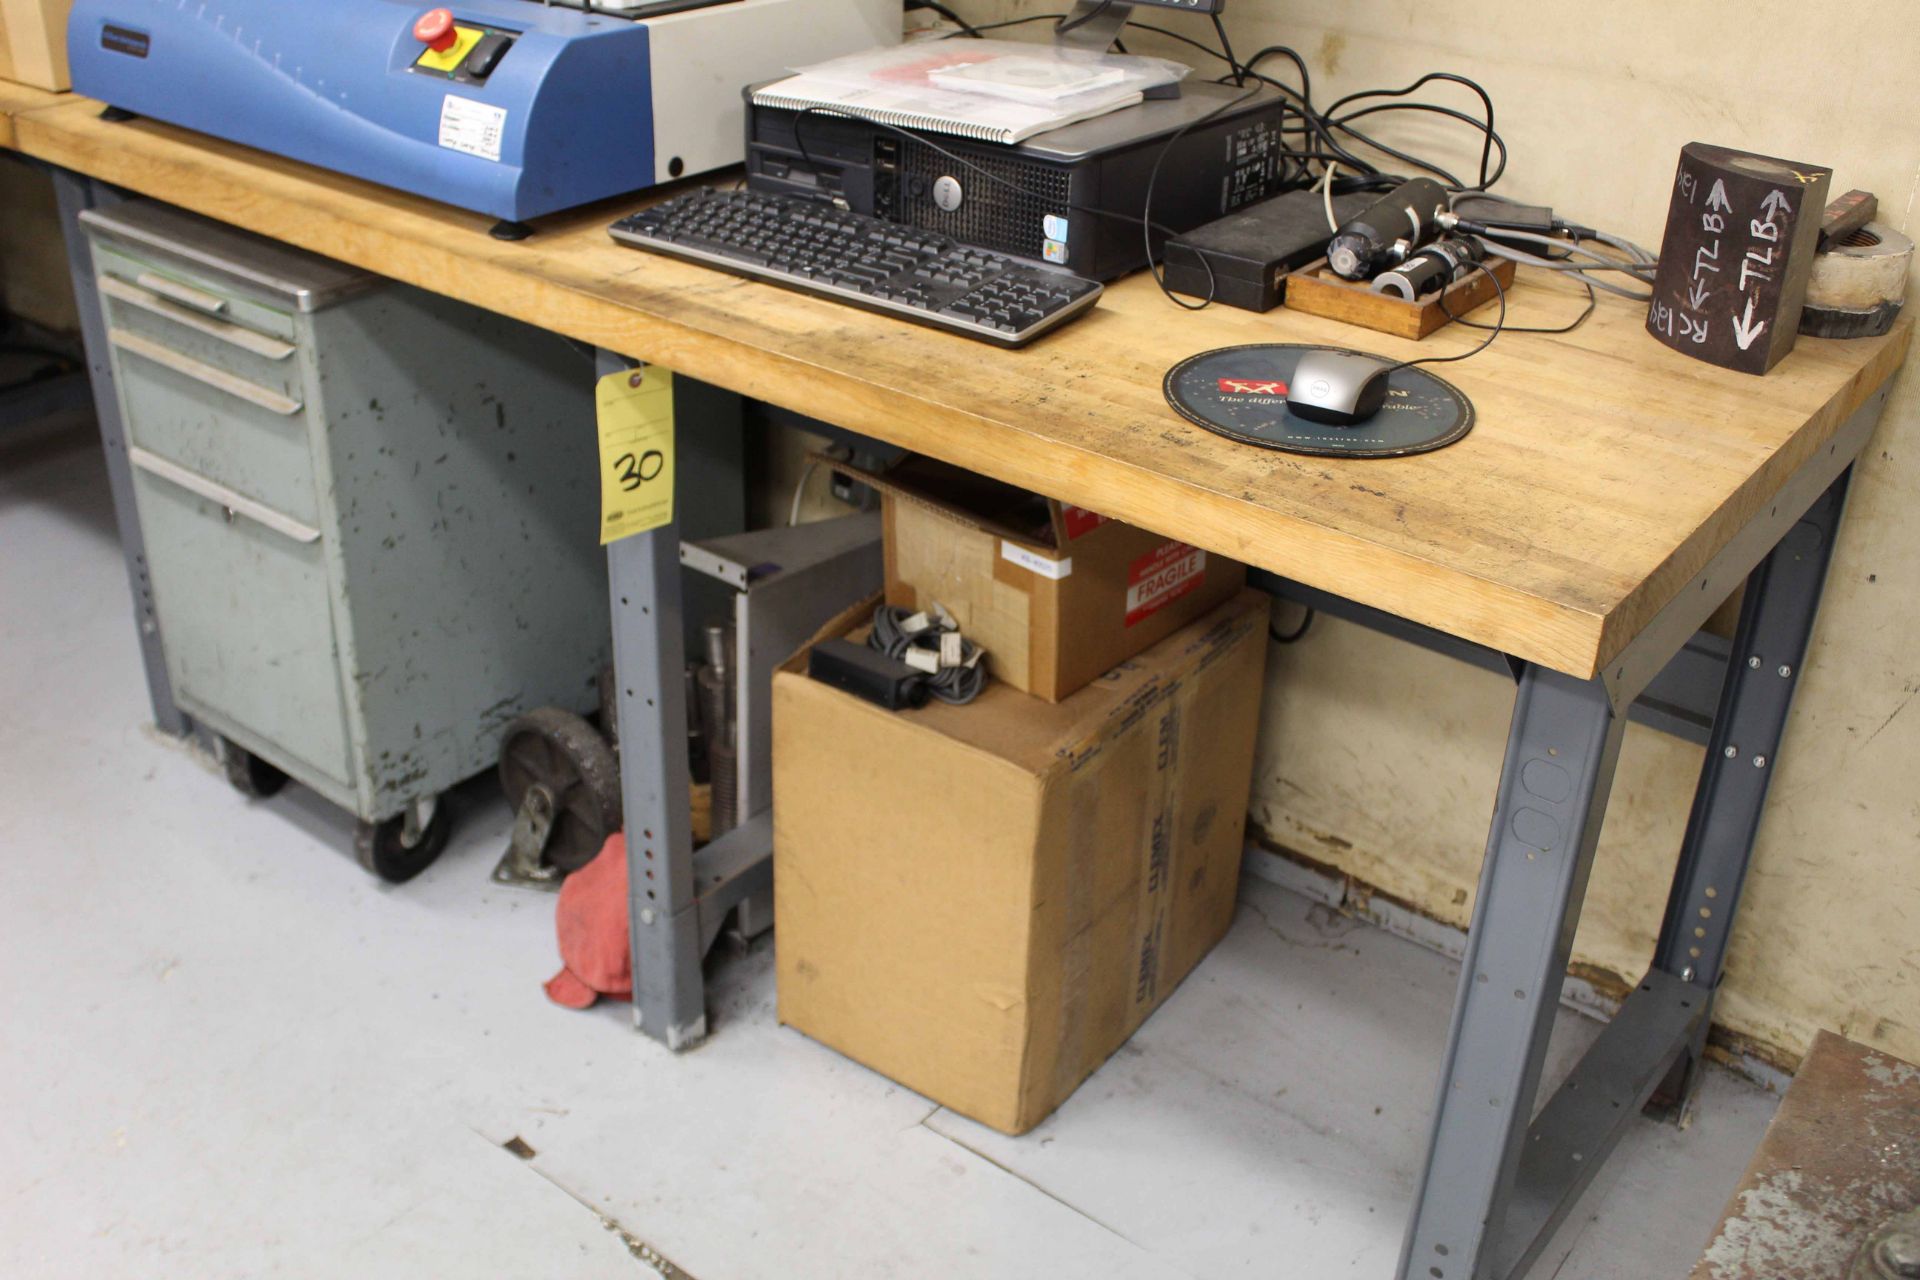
x=226, y=1051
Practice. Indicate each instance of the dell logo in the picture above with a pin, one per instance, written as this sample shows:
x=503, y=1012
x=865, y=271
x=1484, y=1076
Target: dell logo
x=947, y=193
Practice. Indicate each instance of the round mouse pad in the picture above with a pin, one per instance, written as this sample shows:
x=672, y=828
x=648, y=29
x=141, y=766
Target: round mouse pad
x=1241, y=393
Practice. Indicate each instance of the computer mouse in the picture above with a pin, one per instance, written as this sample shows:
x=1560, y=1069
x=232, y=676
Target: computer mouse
x=1337, y=387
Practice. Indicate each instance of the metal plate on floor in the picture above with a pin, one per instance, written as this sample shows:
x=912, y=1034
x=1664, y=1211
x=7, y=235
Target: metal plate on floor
x=1241, y=393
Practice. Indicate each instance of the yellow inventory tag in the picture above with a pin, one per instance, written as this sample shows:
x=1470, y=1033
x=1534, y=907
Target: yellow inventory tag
x=635, y=412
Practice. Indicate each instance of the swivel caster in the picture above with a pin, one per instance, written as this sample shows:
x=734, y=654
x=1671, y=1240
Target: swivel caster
x=403, y=846
x=563, y=782
x=249, y=774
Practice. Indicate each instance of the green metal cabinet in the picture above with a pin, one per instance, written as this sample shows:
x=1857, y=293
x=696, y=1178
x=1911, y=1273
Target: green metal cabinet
x=370, y=512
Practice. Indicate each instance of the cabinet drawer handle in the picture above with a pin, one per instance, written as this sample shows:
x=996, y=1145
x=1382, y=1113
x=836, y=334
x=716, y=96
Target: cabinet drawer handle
x=232, y=334
x=234, y=502
x=200, y=371
x=199, y=299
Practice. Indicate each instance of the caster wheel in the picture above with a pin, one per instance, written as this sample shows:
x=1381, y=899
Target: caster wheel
x=561, y=752
x=249, y=774
x=383, y=848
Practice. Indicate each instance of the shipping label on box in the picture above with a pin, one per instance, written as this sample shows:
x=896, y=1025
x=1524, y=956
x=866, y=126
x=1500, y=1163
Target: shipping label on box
x=1165, y=574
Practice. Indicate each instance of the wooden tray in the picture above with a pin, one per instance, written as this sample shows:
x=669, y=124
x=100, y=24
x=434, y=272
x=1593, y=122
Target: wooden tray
x=1315, y=290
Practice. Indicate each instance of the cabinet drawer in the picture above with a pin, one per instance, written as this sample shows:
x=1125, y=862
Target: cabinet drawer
x=170, y=277
x=239, y=433
x=256, y=358
x=246, y=612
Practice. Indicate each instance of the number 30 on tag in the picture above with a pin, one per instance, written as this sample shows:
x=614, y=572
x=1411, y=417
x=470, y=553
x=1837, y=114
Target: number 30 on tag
x=635, y=412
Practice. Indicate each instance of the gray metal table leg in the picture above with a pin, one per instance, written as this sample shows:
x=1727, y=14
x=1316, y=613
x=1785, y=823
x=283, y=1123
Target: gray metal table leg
x=1559, y=768
x=1769, y=648
x=669, y=992
x=670, y=935
x=74, y=193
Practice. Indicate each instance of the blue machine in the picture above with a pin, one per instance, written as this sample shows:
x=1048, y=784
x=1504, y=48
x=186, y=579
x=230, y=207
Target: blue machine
x=513, y=108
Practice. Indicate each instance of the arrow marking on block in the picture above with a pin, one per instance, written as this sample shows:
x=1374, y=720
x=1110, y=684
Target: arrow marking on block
x=1744, y=328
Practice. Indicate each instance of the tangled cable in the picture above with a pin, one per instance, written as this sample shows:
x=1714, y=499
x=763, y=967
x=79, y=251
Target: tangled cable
x=931, y=643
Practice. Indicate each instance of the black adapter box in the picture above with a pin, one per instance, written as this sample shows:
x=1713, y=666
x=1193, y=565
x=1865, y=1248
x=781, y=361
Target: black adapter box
x=1253, y=251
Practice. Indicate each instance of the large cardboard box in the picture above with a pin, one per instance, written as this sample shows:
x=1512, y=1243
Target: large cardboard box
x=33, y=42
x=984, y=902
x=1055, y=594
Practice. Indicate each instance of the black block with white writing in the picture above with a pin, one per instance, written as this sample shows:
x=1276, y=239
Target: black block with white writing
x=1741, y=235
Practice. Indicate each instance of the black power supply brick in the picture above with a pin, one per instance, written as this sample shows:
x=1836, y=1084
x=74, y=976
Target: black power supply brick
x=1253, y=251
x=867, y=673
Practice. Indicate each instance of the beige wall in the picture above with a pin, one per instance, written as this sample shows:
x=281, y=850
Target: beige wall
x=1381, y=759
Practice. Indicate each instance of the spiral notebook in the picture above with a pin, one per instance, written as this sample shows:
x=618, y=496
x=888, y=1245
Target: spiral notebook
x=898, y=87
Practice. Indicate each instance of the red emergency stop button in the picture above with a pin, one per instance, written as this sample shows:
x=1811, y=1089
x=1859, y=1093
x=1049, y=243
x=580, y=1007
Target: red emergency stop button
x=435, y=30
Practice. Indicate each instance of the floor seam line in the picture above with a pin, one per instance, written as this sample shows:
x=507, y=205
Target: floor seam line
x=642, y=1252
x=1021, y=1177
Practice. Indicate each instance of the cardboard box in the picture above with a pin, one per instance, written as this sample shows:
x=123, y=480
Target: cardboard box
x=984, y=902
x=33, y=42
x=1054, y=593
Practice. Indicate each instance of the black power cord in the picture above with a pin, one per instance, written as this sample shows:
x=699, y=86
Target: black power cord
x=1593, y=300
x=1294, y=636
x=966, y=28
x=1494, y=330
x=1146, y=209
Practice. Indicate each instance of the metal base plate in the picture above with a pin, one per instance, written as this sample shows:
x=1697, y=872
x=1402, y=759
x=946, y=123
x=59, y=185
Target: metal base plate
x=1241, y=393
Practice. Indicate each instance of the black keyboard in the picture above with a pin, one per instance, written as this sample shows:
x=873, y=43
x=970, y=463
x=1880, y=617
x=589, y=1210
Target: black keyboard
x=868, y=262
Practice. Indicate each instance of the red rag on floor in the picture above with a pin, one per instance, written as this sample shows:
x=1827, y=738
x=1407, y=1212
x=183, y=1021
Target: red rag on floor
x=595, y=941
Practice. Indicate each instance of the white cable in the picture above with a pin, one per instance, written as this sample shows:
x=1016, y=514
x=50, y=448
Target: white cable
x=1326, y=194
x=800, y=491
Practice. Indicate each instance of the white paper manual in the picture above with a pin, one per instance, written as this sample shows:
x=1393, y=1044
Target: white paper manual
x=992, y=90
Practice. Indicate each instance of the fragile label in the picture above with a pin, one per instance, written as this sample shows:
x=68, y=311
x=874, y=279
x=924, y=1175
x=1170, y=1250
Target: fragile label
x=634, y=411
x=1080, y=521
x=474, y=128
x=1162, y=576
x=1033, y=560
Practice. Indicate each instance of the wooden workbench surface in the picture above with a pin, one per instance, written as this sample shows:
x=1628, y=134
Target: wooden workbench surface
x=1603, y=473
x=16, y=99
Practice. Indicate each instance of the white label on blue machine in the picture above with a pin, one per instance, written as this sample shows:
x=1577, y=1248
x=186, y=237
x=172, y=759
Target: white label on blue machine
x=472, y=127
